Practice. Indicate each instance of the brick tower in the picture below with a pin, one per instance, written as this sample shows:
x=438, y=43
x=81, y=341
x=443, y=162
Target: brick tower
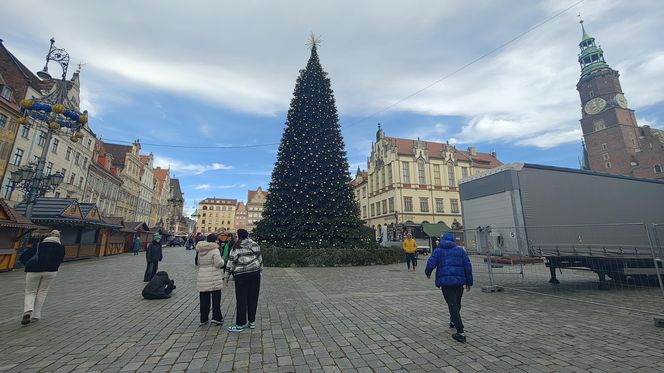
x=614, y=142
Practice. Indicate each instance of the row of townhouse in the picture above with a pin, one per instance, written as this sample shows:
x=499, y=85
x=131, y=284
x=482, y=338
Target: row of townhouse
x=120, y=180
x=224, y=214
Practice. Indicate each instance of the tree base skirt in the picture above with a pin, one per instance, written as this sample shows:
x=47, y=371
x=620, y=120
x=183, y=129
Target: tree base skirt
x=330, y=257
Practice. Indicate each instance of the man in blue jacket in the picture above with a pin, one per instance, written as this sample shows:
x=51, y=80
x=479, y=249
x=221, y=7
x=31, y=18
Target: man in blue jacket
x=453, y=272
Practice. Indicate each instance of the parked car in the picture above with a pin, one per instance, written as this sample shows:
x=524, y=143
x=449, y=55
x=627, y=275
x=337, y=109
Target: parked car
x=176, y=241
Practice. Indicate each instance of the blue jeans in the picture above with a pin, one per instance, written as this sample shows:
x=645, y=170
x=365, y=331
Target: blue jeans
x=411, y=258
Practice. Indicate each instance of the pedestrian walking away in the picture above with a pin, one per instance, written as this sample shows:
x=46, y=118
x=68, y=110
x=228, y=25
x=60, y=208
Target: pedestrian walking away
x=409, y=247
x=153, y=255
x=136, y=245
x=41, y=264
x=245, y=263
x=199, y=237
x=453, y=273
x=209, y=279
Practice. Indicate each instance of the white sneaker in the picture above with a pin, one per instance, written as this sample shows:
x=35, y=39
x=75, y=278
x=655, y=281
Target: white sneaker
x=252, y=325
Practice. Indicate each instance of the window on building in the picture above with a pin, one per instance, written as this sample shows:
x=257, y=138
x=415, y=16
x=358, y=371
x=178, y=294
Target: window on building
x=6, y=93
x=607, y=164
x=49, y=168
x=604, y=147
x=57, y=194
x=18, y=156
x=90, y=144
x=436, y=174
x=364, y=192
x=389, y=174
x=424, y=204
x=450, y=175
x=203, y=221
x=80, y=182
x=68, y=153
x=3, y=120
x=384, y=204
x=35, y=159
x=373, y=210
x=464, y=172
x=54, y=146
x=9, y=188
x=420, y=172
x=72, y=178
x=408, y=203
x=64, y=173
x=25, y=132
x=42, y=138
x=406, y=172
x=390, y=204
x=381, y=179
x=85, y=162
x=605, y=156
x=439, y=205
x=454, y=205
x=658, y=168
x=599, y=125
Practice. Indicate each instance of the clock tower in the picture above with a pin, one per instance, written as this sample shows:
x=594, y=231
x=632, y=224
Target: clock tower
x=609, y=126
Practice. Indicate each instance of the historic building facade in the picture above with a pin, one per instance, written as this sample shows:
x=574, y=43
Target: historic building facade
x=104, y=184
x=413, y=181
x=126, y=160
x=240, y=216
x=161, y=195
x=64, y=155
x=144, y=208
x=216, y=214
x=9, y=113
x=255, y=204
x=177, y=222
x=614, y=142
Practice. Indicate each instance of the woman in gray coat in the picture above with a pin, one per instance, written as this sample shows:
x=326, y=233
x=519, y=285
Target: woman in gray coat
x=210, y=279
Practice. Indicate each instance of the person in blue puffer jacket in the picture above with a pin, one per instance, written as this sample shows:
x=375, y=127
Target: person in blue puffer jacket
x=453, y=272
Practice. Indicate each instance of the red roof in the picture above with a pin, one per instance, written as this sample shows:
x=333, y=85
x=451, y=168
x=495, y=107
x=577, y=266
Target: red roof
x=119, y=152
x=160, y=175
x=252, y=193
x=435, y=150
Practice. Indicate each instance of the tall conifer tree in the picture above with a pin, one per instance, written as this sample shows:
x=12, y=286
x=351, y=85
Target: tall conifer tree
x=311, y=202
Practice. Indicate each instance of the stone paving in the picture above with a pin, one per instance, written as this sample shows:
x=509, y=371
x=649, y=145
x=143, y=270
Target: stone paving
x=353, y=319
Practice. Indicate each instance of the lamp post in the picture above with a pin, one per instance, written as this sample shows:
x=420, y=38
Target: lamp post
x=55, y=111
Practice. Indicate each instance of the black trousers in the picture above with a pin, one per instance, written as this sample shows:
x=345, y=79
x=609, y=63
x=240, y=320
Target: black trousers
x=452, y=295
x=247, y=287
x=205, y=297
x=150, y=270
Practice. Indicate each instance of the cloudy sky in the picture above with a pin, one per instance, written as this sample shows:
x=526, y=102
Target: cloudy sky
x=221, y=73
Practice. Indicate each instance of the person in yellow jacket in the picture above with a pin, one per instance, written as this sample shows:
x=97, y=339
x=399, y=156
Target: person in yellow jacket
x=409, y=247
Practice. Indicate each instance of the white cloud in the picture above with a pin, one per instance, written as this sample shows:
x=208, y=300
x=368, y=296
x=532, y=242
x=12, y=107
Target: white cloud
x=179, y=167
x=246, y=56
x=209, y=187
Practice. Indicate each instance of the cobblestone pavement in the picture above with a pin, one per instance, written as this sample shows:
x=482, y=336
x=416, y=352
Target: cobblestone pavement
x=355, y=319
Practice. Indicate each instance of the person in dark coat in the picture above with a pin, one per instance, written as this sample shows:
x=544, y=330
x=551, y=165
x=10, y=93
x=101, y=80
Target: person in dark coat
x=136, y=246
x=153, y=255
x=160, y=287
x=42, y=262
x=453, y=272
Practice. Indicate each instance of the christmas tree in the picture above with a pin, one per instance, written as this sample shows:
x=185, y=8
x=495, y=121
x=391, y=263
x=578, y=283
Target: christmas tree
x=311, y=202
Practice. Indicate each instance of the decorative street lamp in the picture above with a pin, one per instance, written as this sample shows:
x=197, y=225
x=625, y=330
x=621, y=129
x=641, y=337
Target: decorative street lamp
x=55, y=111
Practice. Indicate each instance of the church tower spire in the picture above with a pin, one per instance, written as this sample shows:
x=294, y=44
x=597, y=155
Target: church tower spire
x=591, y=57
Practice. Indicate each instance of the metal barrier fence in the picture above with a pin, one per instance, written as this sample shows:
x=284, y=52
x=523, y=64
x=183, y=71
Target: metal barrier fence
x=574, y=261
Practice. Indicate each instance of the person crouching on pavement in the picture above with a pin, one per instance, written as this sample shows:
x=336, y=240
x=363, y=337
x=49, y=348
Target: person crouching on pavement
x=210, y=280
x=453, y=272
x=409, y=247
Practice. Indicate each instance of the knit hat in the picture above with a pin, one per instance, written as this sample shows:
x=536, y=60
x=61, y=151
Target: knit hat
x=54, y=233
x=242, y=234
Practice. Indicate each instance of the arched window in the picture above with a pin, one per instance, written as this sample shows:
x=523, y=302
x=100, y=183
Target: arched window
x=420, y=172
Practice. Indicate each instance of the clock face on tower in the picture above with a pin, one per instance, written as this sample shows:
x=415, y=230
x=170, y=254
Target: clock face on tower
x=594, y=106
x=621, y=100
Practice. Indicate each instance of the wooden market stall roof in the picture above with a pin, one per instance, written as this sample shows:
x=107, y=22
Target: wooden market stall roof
x=65, y=210
x=137, y=226
x=10, y=218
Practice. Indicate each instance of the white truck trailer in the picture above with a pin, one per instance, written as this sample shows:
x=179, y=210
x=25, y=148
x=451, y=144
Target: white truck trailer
x=610, y=224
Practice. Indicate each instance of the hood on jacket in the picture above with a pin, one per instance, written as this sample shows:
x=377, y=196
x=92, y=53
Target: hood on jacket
x=52, y=239
x=447, y=241
x=204, y=246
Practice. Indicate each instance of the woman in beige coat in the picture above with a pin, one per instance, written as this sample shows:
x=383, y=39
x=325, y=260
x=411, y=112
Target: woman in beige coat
x=210, y=279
